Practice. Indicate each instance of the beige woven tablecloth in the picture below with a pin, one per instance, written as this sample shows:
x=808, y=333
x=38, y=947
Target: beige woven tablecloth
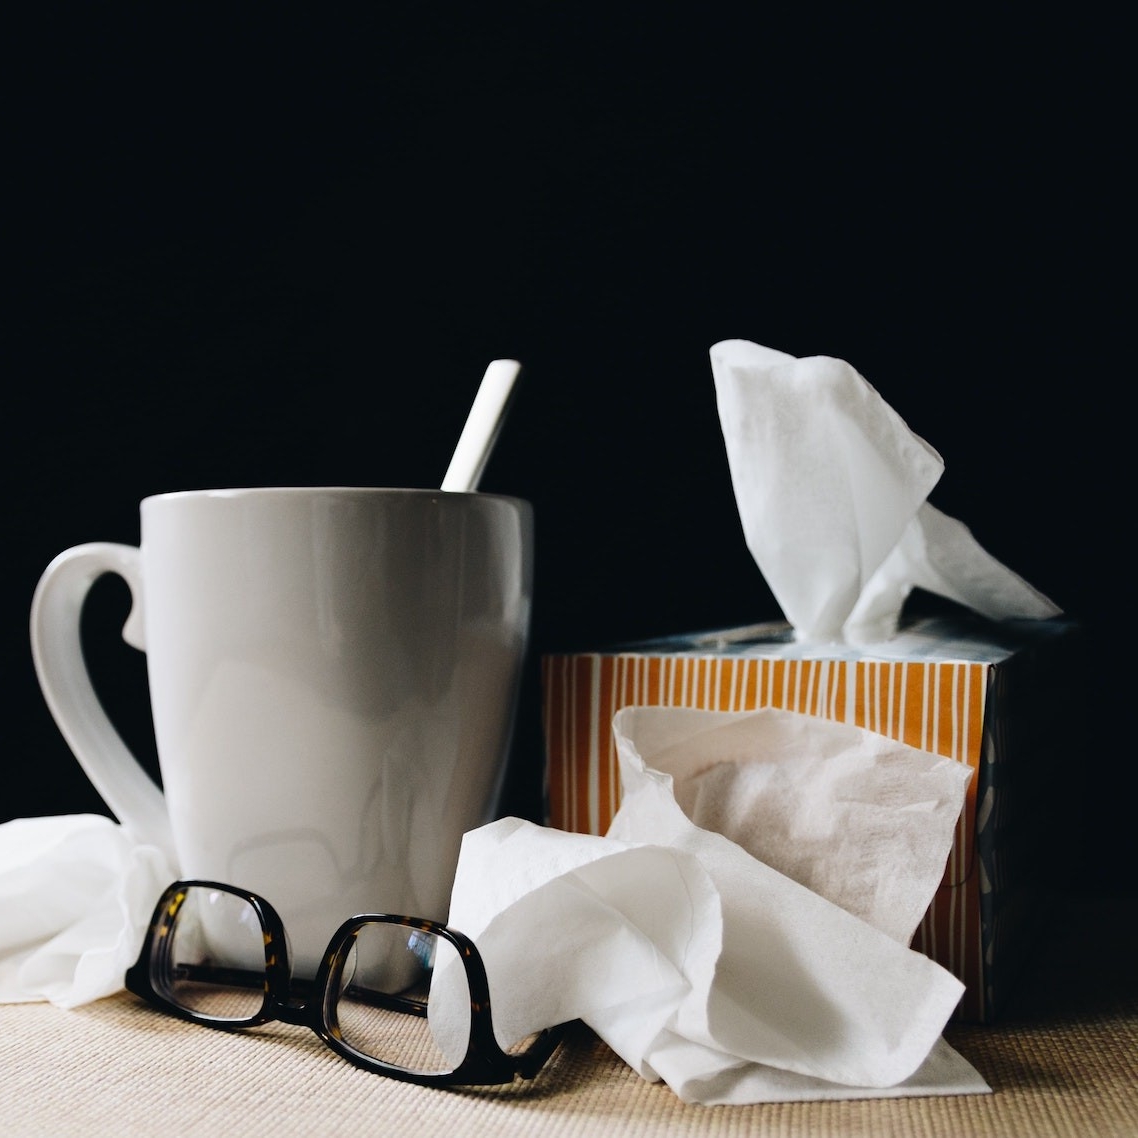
x=1063, y=1061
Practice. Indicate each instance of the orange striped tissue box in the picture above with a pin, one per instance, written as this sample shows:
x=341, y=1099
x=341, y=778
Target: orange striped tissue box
x=1002, y=698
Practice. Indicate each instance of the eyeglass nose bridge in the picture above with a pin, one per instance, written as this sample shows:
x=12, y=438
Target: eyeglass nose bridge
x=294, y=1010
x=295, y=1000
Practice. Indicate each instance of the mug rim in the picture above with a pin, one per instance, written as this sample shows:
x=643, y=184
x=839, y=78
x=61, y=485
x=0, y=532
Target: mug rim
x=236, y=492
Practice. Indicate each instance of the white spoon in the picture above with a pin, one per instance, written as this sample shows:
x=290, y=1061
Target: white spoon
x=482, y=426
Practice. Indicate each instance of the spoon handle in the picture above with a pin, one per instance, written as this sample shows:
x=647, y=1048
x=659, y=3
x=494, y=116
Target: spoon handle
x=482, y=426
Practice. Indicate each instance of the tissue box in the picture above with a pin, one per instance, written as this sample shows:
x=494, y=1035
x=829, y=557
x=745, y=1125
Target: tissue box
x=1003, y=698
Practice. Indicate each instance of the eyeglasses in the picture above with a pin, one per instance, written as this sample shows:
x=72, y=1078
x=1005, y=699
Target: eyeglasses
x=396, y=995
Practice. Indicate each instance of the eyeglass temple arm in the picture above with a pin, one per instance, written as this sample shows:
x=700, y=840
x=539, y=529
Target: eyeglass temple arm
x=530, y=1061
x=406, y=1004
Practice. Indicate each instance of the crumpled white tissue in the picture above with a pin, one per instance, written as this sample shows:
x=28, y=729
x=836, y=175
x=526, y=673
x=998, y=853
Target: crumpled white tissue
x=76, y=895
x=831, y=487
x=696, y=954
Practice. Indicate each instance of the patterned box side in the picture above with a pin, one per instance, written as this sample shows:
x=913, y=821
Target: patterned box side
x=938, y=706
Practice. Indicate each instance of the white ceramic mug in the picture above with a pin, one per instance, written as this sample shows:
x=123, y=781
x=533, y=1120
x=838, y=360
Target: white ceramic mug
x=333, y=678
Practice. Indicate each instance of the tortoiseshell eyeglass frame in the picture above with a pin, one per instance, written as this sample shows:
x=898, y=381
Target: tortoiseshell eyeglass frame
x=313, y=1004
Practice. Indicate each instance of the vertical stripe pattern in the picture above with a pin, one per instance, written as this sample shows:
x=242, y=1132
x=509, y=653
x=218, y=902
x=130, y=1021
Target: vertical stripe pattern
x=935, y=706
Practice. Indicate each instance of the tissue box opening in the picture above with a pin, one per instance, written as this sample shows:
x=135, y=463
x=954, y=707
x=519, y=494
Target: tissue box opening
x=1003, y=698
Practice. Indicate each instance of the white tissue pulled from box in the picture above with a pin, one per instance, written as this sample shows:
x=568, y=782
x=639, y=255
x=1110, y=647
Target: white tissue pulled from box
x=76, y=895
x=831, y=487
x=697, y=955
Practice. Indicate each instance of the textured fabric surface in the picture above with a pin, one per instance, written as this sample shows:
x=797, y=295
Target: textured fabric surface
x=1064, y=1062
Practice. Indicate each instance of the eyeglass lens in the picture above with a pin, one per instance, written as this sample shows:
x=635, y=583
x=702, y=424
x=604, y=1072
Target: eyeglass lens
x=390, y=971
x=212, y=960
x=212, y=963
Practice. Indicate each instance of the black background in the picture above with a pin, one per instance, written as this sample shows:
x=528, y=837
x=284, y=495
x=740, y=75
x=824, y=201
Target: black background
x=248, y=246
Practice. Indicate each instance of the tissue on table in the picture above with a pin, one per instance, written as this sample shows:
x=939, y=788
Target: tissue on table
x=692, y=954
x=831, y=487
x=76, y=895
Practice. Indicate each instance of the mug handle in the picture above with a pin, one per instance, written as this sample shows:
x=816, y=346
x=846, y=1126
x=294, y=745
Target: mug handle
x=57, y=605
